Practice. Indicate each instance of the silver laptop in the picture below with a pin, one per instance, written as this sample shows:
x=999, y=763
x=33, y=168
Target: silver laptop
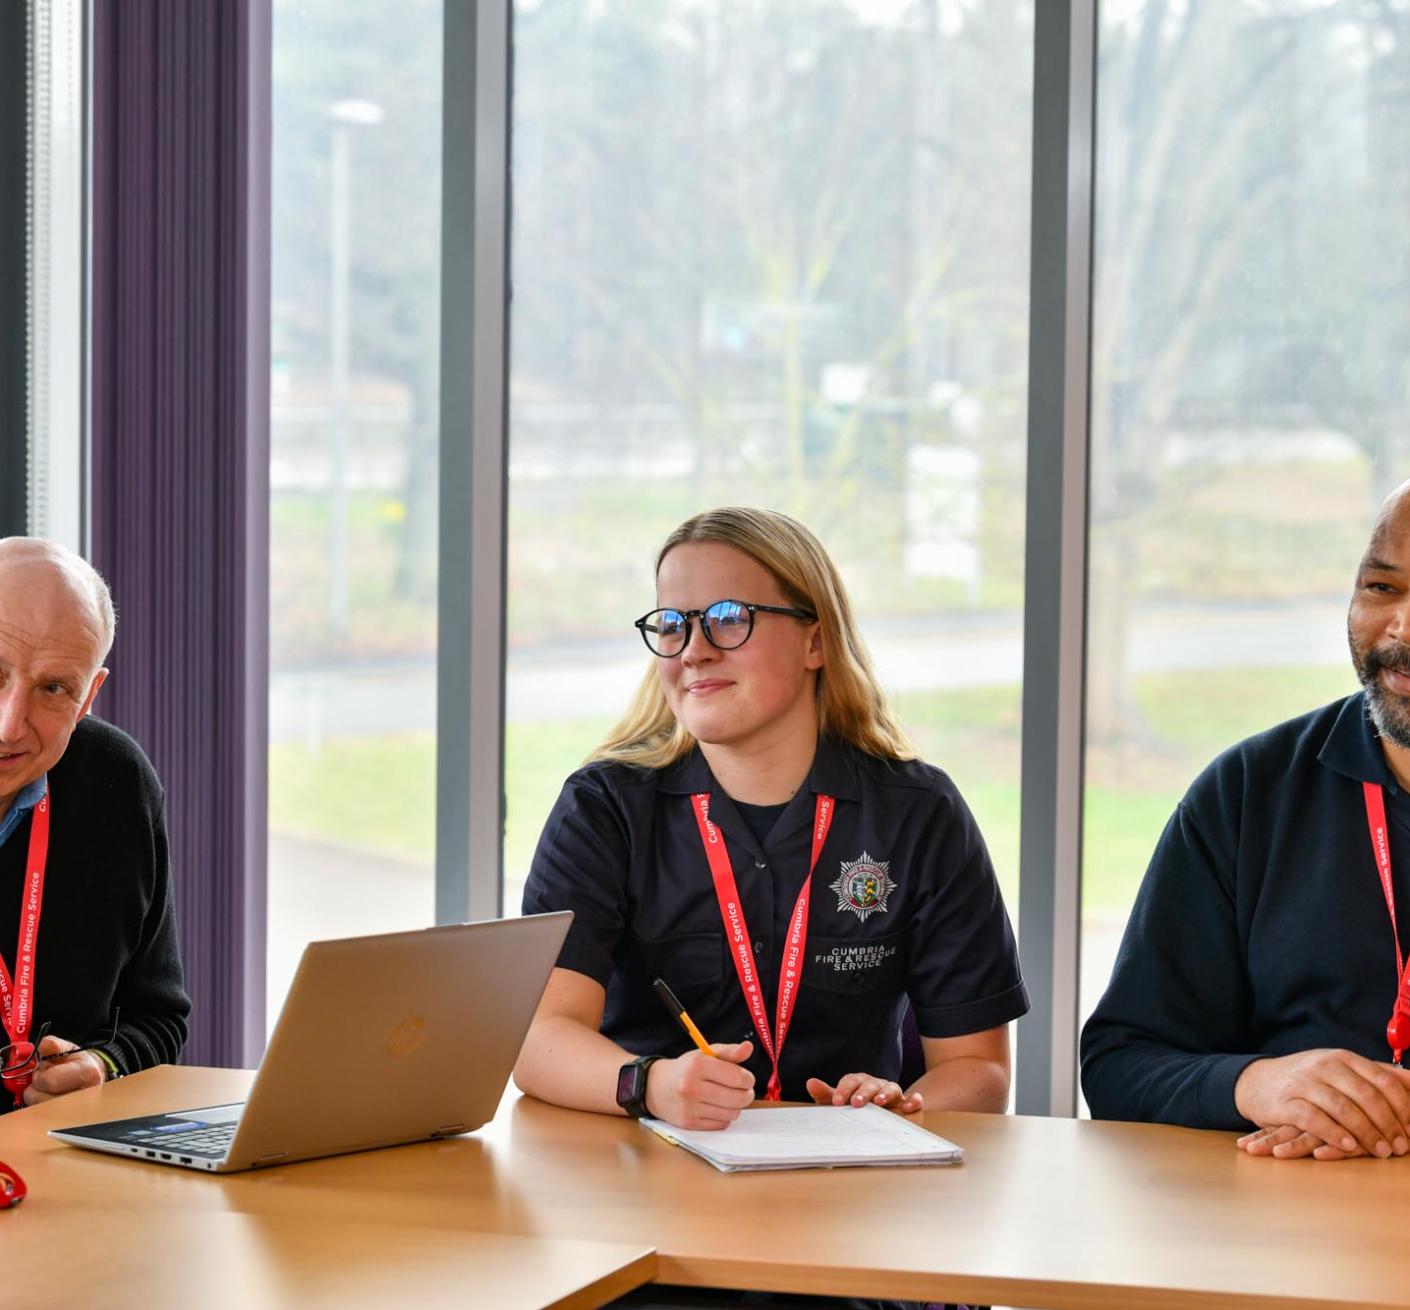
x=382, y=1040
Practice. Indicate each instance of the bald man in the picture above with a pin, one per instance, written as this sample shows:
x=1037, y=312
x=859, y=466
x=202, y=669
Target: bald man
x=1261, y=985
x=92, y=985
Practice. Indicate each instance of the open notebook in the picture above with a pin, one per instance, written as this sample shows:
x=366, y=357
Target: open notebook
x=813, y=1137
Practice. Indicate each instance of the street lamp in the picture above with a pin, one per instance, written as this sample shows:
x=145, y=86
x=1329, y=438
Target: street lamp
x=345, y=115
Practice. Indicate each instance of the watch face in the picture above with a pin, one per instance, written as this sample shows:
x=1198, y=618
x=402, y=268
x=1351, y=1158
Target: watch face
x=631, y=1083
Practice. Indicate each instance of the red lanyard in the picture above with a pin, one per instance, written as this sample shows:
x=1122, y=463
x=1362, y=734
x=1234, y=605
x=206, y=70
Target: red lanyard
x=17, y=994
x=732, y=912
x=1398, y=1029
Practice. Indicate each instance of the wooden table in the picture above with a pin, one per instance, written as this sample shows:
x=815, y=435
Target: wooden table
x=1045, y=1212
x=100, y=1230
x=157, y=1257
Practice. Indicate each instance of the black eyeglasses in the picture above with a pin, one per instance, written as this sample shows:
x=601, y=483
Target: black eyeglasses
x=19, y=1060
x=726, y=624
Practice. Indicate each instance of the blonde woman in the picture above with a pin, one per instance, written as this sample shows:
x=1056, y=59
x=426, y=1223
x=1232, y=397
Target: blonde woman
x=757, y=833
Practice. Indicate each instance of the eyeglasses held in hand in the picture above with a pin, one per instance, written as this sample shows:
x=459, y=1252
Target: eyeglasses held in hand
x=727, y=625
x=20, y=1060
x=12, y=1187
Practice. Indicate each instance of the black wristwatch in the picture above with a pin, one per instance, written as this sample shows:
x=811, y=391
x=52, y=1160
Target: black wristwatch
x=631, y=1085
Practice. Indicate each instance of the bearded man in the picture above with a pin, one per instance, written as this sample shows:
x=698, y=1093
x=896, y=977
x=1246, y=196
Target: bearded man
x=1261, y=984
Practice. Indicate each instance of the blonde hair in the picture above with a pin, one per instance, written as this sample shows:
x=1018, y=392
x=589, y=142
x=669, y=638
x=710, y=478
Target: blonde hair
x=850, y=702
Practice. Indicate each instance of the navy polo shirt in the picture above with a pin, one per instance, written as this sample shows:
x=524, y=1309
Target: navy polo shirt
x=1260, y=929
x=904, y=904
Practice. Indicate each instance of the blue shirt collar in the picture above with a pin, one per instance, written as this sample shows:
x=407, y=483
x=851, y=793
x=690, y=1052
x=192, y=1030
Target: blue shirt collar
x=28, y=798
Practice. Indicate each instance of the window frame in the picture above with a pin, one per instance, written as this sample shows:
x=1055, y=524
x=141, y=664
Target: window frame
x=474, y=438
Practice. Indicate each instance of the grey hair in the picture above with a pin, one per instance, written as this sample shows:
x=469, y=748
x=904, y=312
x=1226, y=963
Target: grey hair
x=80, y=571
x=103, y=600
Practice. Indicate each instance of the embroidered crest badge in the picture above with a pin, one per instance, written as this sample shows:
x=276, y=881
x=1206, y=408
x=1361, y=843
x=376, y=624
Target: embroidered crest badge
x=863, y=886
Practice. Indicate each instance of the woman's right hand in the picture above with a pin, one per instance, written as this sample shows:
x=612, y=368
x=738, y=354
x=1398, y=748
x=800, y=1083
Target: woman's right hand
x=699, y=1091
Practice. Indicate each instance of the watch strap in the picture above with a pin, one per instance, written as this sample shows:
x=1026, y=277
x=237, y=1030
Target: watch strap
x=636, y=1106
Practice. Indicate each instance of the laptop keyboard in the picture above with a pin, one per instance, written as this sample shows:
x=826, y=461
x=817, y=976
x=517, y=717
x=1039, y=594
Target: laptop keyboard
x=212, y=1140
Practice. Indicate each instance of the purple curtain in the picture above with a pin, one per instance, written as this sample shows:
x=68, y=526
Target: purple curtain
x=180, y=458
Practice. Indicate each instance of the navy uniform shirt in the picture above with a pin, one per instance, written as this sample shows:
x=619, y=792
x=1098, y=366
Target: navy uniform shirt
x=904, y=903
x=1260, y=928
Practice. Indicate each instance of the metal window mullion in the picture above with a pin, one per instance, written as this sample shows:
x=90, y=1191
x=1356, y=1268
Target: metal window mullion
x=473, y=462
x=84, y=489
x=1055, y=578
x=54, y=228
x=16, y=40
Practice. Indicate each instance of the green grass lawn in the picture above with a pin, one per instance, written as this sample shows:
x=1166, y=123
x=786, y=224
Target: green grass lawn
x=379, y=793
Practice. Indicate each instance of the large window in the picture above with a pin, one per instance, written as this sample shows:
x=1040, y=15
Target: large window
x=774, y=254
x=1249, y=406
x=356, y=242
x=777, y=252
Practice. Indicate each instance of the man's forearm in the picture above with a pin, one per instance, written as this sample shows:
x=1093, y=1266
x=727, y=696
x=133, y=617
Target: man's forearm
x=146, y=1040
x=1147, y=1083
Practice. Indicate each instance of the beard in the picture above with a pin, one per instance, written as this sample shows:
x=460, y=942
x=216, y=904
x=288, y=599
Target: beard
x=1390, y=713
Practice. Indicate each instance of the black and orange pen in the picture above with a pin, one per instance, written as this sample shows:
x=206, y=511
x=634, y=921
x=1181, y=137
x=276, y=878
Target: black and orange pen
x=668, y=997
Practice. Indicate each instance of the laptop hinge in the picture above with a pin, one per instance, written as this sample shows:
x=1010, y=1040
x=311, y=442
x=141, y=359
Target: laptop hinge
x=271, y=1157
x=449, y=1130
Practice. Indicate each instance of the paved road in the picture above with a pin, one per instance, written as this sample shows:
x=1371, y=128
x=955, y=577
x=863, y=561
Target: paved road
x=948, y=652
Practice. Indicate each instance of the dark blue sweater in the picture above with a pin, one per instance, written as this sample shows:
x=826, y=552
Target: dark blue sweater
x=1260, y=928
